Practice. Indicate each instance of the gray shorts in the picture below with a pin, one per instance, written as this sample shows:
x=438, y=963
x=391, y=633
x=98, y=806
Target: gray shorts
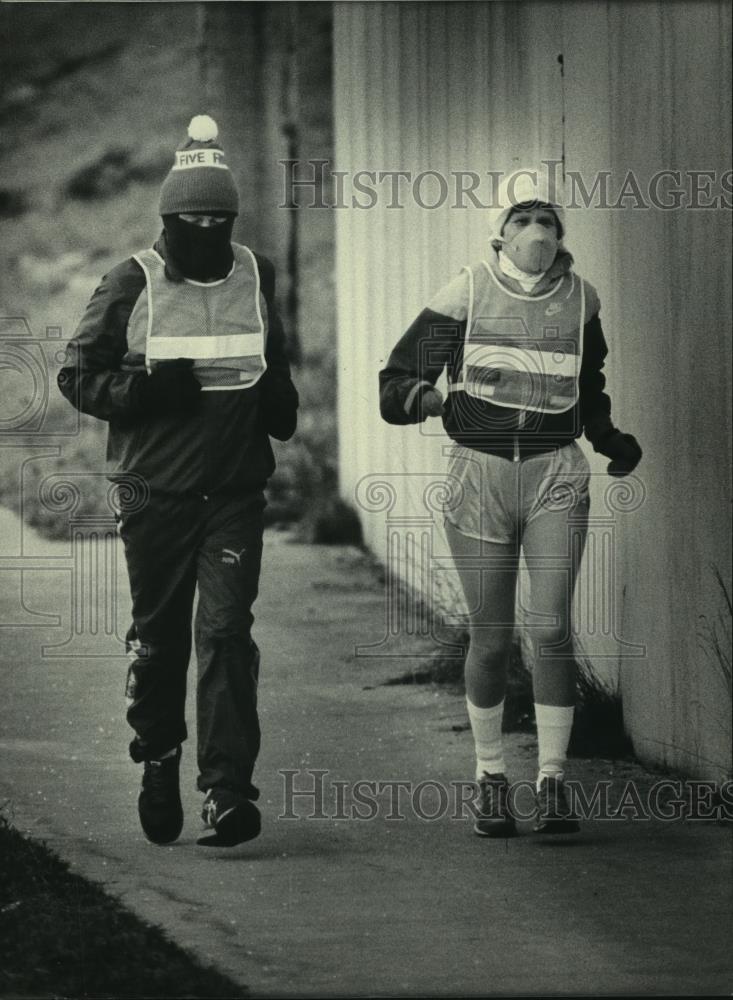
x=493, y=498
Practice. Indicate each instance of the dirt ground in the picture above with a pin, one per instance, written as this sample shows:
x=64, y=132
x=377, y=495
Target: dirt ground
x=343, y=905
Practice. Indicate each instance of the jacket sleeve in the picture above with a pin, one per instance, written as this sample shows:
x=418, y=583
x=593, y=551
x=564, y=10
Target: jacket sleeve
x=595, y=404
x=278, y=395
x=431, y=343
x=415, y=364
x=91, y=378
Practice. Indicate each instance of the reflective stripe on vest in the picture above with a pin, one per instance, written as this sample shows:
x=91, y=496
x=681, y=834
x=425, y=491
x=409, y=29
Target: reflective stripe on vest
x=522, y=351
x=220, y=324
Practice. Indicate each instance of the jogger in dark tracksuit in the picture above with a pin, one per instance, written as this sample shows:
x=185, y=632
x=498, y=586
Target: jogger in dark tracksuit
x=181, y=350
x=217, y=543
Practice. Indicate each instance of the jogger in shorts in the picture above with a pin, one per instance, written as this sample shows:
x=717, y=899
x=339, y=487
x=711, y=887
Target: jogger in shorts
x=521, y=341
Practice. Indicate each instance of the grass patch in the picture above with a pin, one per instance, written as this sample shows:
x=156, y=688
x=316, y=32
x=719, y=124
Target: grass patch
x=598, y=725
x=62, y=936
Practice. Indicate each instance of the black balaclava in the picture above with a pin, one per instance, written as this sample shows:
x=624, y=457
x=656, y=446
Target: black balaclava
x=202, y=253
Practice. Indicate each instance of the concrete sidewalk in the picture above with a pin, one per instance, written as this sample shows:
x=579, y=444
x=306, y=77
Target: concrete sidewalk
x=348, y=906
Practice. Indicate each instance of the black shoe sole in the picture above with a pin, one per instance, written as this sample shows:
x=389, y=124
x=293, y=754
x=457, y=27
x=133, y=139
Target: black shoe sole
x=241, y=824
x=556, y=825
x=166, y=835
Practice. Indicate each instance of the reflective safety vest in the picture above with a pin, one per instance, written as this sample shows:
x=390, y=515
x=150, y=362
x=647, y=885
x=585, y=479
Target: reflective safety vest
x=220, y=324
x=522, y=351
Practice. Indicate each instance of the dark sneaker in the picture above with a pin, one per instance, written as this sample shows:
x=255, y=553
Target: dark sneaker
x=159, y=803
x=233, y=818
x=554, y=814
x=494, y=818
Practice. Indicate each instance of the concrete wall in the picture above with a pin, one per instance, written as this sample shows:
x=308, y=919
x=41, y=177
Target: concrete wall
x=639, y=87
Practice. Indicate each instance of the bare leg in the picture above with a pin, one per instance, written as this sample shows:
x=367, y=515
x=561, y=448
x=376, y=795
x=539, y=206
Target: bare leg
x=489, y=589
x=553, y=545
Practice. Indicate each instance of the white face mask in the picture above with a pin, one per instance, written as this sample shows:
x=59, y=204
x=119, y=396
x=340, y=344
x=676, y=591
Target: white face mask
x=533, y=249
x=510, y=269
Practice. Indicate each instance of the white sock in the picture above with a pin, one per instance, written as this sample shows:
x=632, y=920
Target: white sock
x=486, y=728
x=554, y=723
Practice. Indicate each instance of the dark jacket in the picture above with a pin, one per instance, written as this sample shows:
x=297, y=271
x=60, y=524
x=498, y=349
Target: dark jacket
x=222, y=444
x=435, y=341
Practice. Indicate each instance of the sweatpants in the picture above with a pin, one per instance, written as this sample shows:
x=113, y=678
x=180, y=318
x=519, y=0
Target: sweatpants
x=171, y=545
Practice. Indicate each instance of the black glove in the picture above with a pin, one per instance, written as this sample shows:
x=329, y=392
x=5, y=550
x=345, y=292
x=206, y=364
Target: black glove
x=622, y=449
x=171, y=387
x=278, y=404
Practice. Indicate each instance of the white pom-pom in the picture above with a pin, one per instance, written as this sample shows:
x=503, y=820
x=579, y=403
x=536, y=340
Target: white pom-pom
x=202, y=129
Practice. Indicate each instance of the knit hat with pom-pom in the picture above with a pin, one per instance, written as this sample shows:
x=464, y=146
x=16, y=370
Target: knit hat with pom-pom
x=199, y=180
